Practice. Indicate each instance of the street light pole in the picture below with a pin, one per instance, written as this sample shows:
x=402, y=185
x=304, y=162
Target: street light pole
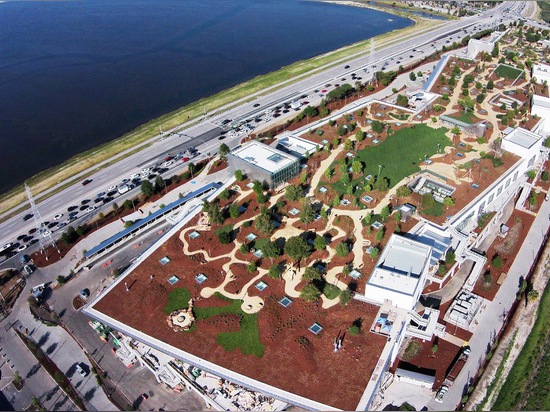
x=379, y=170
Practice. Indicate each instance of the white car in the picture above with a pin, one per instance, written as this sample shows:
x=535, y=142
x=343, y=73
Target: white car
x=58, y=216
x=46, y=233
x=146, y=170
x=21, y=248
x=135, y=176
x=6, y=247
x=90, y=209
x=145, y=173
x=81, y=371
x=113, y=187
x=168, y=163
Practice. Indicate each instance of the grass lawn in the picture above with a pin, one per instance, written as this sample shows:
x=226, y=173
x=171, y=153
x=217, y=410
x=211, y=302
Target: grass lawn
x=507, y=72
x=400, y=155
x=177, y=299
x=526, y=386
x=247, y=338
x=466, y=117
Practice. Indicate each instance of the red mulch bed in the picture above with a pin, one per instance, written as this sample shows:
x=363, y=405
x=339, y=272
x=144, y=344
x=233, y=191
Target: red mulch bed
x=507, y=248
x=217, y=166
x=440, y=361
x=315, y=369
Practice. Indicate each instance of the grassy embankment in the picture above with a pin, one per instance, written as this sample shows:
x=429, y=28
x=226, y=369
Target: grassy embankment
x=544, y=10
x=92, y=160
x=402, y=10
x=526, y=387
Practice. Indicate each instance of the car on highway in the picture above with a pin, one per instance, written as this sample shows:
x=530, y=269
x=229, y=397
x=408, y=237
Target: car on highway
x=7, y=246
x=90, y=209
x=61, y=225
x=84, y=201
x=28, y=216
x=87, y=181
x=111, y=188
x=21, y=237
x=135, y=176
x=100, y=194
x=52, y=225
x=184, y=159
x=257, y=105
x=98, y=199
x=21, y=248
x=46, y=233
x=58, y=216
x=346, y=66
x=71, y=208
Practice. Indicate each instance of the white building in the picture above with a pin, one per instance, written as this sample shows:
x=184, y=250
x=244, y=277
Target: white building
x=400, y=274
x=541, y=73
x=295, y=145
x=523, y=143
x=540, y=106
x=476, y=46
x=264, y=163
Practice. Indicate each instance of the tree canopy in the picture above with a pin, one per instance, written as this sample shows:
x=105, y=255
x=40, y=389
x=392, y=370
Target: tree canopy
x=297, y=248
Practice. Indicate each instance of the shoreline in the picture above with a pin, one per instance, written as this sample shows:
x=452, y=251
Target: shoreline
x=50, y=181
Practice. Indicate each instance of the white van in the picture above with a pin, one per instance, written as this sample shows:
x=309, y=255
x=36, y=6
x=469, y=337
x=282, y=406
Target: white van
x=123, y=189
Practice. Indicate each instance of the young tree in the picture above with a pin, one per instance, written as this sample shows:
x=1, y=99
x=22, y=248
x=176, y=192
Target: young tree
x=264, y=222
x=310, y=273
x=271, y=250
x=385, y=212
x=274, y=272
x=373, y=253
x=294, y=192
x=342, y=249
x=380, y=235
x=412, y=76
x=402, y=100
x=359, y=135
x=239, y=175
x=223, y=151
x=307, y=215
x=403, y=191
x=319, y=243
x=147, y=188
x=310, y=292
x=234, y=210
x=357, y=166
x=297, y=248
x=345, y=297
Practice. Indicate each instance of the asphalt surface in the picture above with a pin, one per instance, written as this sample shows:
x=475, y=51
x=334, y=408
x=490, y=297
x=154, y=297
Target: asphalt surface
x=205, y=134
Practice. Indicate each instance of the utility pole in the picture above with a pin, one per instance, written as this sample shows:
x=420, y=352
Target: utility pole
x=45, y=238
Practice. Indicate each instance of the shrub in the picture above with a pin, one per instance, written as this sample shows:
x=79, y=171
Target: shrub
x=274, y=272
x=354, y=329
x=497, y=262
x=61, y=280
x=331, y=291
x=342, y=249
x=345, y=297
x=251, y=267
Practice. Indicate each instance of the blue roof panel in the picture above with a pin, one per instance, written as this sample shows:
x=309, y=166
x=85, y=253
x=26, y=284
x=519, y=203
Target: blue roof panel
x=120, y=235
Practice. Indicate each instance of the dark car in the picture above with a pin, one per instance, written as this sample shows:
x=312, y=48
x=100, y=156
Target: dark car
x=71, y=208
x=257, y=105
x=84, y=201
x=87, y=181
x=346, y=67
x=28, y=216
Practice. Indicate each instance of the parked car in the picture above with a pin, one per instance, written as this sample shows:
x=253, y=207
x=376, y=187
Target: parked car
x=81, y=370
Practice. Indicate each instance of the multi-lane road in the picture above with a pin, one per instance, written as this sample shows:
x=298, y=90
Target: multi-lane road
x=208, y=134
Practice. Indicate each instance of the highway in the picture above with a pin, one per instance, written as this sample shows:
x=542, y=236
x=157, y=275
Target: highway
x=206, y=135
